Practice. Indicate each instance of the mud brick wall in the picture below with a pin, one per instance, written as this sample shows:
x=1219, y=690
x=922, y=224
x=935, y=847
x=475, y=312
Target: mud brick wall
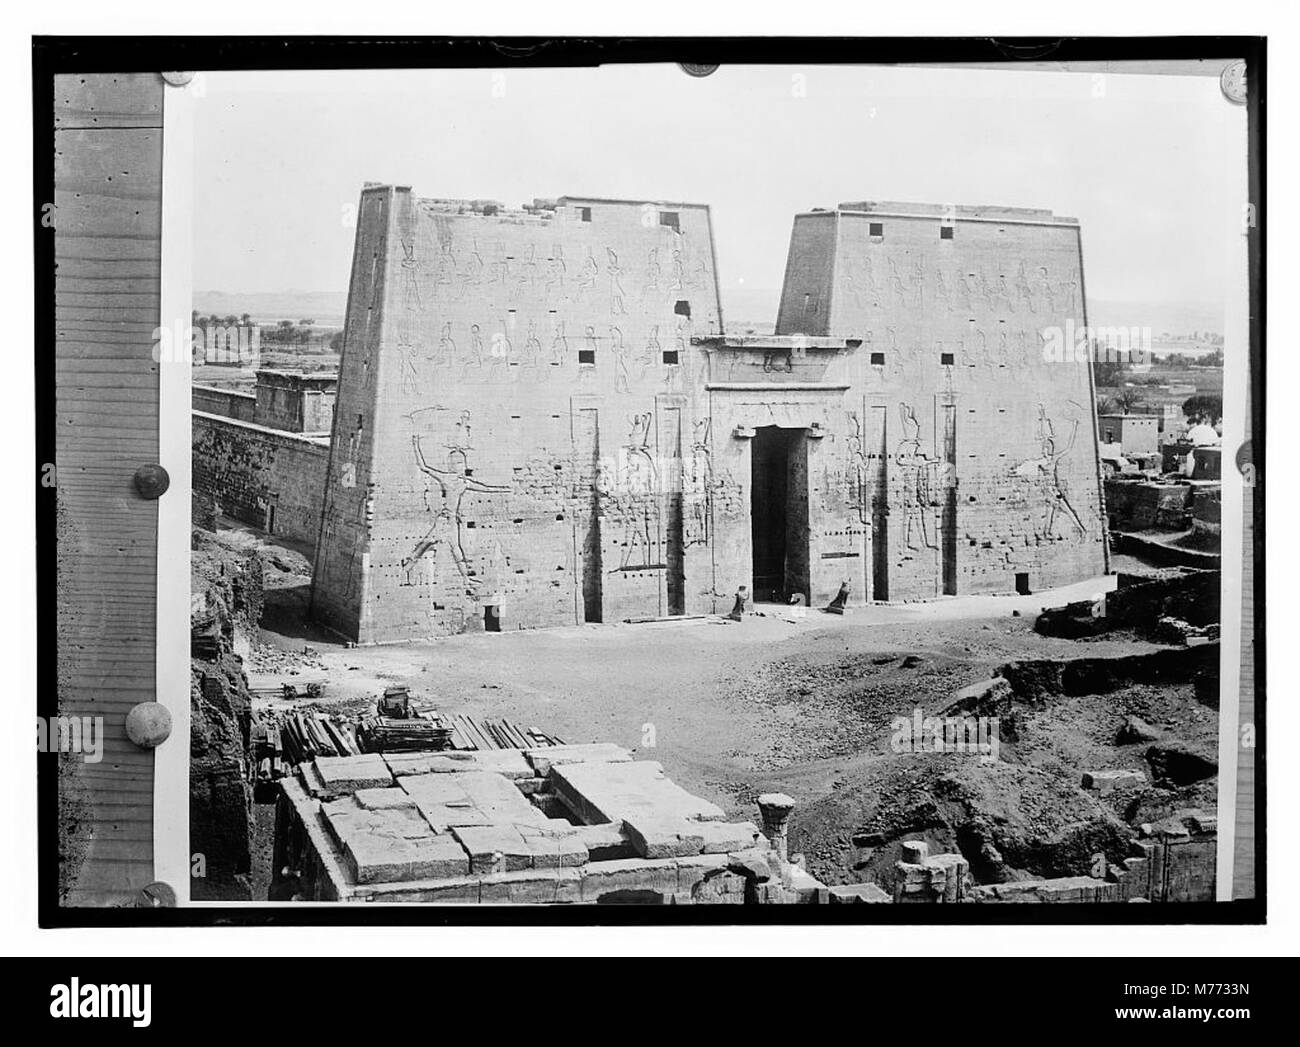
x=228, y=403
x=296, y=403
x=965, y=449
x=1139, y=505
x=269, y=479
x=521, y=433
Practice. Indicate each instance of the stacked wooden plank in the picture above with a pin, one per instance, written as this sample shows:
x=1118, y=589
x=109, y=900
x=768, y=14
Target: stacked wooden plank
x=390, y=734
x=470, y=733
x=306, y=735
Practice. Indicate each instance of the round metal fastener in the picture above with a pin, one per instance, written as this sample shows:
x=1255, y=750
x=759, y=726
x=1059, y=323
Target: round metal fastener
x=152, y=481
x=1246, y=459
x=698, y=68
x=157, y=895
x=1232, y=81
x=178, y=79
x=149, y=724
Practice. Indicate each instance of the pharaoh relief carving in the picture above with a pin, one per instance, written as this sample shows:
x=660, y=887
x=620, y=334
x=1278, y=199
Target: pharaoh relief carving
x=444, y=496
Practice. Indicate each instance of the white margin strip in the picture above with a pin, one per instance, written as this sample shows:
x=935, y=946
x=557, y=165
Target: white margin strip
x=171, y=789
x=1236, y=378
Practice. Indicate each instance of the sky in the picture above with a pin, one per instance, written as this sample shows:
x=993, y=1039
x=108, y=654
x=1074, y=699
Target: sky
x=1141, y=161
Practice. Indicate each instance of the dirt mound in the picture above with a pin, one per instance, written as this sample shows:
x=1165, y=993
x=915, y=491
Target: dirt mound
x=836, y=704
x=1010, y=822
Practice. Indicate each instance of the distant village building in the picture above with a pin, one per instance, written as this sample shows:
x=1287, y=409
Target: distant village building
x=1135, y=433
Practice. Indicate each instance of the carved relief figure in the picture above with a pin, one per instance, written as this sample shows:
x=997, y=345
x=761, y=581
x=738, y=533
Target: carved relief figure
x=615, y=271
x=555, y=270
x=559, y=345
x=633, y=497
x=696, y=526
x=621, y=377
x=452, y=485
x=407, y=321
x=653, y=270
x=917, y=469
x=1053, y=488
x=446, y=345
x=857, y=465
x=590, y=271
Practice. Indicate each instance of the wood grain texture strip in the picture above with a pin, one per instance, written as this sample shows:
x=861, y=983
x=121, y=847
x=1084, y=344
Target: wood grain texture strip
x=108, y=183
x=104, y=101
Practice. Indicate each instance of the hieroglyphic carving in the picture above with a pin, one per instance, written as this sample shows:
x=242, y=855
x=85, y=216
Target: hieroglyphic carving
x=407, y=321
x=858, y=471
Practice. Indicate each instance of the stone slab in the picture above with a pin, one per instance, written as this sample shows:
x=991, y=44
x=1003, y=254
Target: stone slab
x=543, y=759
x=612, y=792
x=391, y=844
x=656, y=837
x=509, y=763
x=723, y=837
x=858, y=894
x=470, y=798
x=494, y=848
x=1108, y=781
x=382, y=799
x=350, y=773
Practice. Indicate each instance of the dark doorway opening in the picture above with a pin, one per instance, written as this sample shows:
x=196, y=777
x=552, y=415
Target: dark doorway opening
x=491, y=619
x=1022, y=584
x=779, y=513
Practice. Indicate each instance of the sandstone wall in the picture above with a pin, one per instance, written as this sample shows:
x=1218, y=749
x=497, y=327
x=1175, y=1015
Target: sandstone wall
x=975, y=447
x=520, y=424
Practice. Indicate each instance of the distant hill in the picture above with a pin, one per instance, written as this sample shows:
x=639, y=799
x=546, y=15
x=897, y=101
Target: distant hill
x=1172, y=317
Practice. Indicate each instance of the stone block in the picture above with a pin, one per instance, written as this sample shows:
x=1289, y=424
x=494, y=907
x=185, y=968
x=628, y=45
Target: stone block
x=382, y=799
x=1108, y=781
x=654, y=837
x=391, y=844
x=724, y=837
x=1062, y=889
x=808, y=889
x=509, y=763
x=342, y=774
x=605, y=842
x=458, y=890
x=694, y=869
x=858, y=894
x=470, y=798
x=630, y=874
x=752, y=862
x=915, y=852
x=543, y=759
x=555, y=848
x=721, y=888
x=611, y=792
x=494, y=848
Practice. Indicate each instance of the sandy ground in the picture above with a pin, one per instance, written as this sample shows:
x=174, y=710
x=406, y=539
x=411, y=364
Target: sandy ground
x=731, y=709
x=788, y=699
